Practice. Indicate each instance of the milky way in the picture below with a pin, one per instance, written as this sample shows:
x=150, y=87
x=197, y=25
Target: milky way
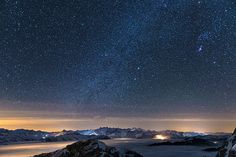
x=118, y=57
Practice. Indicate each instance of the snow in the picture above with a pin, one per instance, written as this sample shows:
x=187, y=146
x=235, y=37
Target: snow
x=87, y=132
x=234, y=148
x=192, y=134
x=230, y=145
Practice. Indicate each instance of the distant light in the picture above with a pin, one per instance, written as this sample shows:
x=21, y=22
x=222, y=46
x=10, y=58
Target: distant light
x=200, y=48
x=161, y=137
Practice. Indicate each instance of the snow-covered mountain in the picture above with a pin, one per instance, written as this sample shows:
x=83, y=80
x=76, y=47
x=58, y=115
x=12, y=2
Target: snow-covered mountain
x=125, y=133
x=229, y=147
x=140, y=133
x=21, y=135
x=172, y=134
x=87, y=132
x=90, y=148
x=192, y=134
x=72, y=136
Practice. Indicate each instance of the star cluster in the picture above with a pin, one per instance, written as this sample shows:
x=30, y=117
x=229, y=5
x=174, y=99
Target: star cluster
x=119, y=57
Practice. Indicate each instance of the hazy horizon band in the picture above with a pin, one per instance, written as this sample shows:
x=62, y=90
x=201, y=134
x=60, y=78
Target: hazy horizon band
x=23, y=120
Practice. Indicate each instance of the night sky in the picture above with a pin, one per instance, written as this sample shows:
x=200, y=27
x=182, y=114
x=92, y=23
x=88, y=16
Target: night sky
x=118, y=59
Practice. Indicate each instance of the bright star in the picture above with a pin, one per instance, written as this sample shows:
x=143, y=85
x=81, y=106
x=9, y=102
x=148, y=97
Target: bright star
x=200, y=48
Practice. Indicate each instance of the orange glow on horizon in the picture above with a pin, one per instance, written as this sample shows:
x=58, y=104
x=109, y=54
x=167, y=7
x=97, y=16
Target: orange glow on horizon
x=53, y=122
x=76, y=124
x=38, y=124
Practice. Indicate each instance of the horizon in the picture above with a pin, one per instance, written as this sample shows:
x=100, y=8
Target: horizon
x=62, y=121
x=15, y=129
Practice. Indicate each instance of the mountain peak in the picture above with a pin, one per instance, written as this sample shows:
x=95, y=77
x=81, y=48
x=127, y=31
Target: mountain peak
x=89, y=148
x=229, y=147
x=234, y=133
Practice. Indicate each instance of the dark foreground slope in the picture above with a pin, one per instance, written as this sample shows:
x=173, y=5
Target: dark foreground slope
x=229, y=148
x=89, y=148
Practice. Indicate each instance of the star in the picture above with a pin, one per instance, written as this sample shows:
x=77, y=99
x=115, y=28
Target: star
x=96, y=58
x=200, y=48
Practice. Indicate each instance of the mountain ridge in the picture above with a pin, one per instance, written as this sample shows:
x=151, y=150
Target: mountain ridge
x=90, y=148
x=23, y=135
x=229, y=147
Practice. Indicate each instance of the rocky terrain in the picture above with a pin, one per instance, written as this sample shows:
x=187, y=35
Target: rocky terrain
x=186, y=142
x=90, y=148
x=229, y=148
x=22, y=136
x=138, y=133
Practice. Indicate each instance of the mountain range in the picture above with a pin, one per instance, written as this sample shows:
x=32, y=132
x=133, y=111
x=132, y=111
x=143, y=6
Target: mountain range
x=22, y=135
